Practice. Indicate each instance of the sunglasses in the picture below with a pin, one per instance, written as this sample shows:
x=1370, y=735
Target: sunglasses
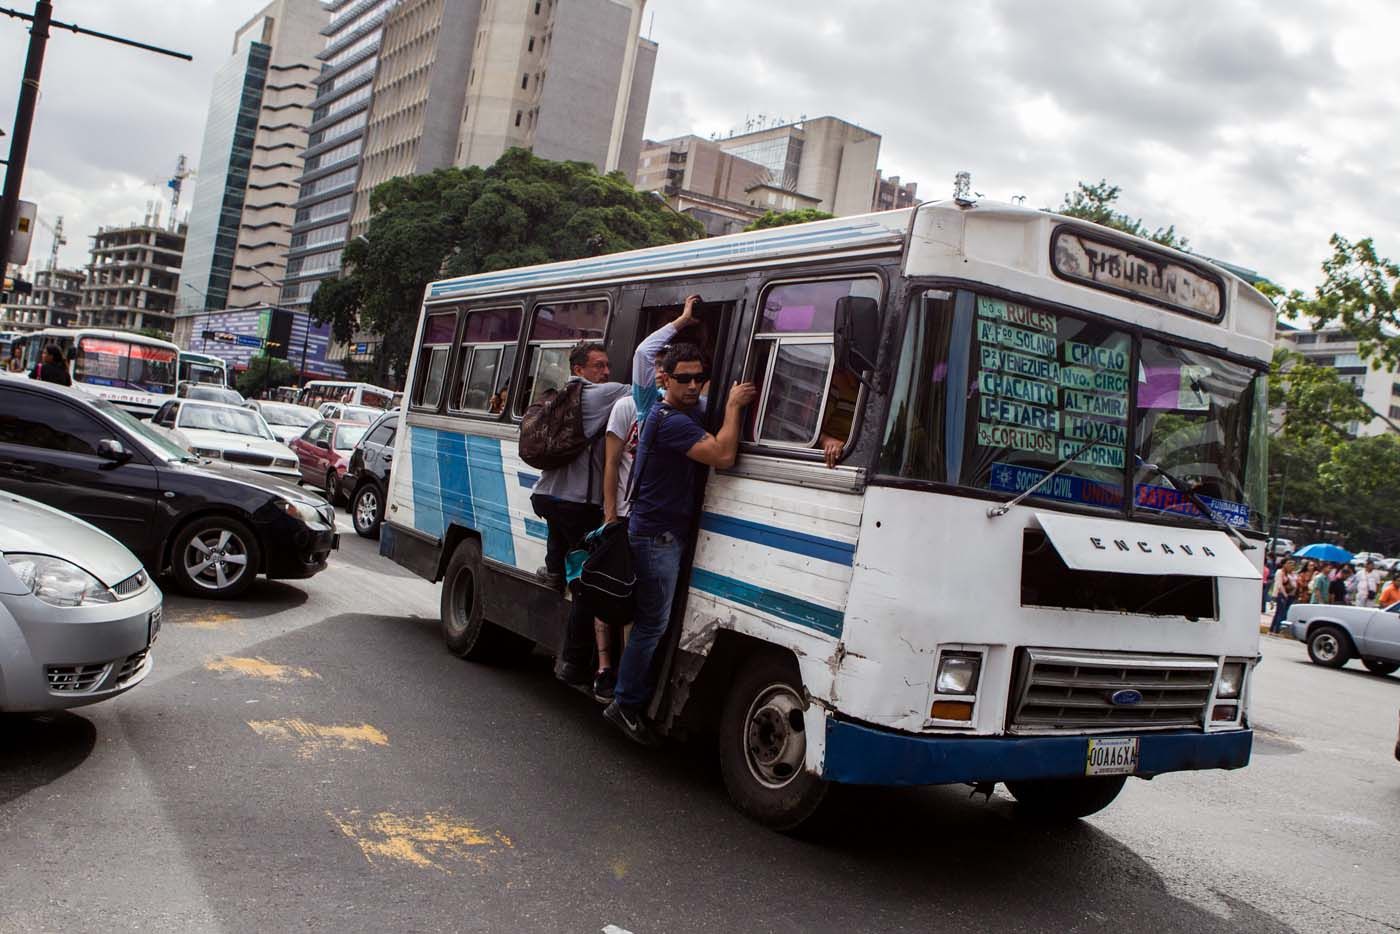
x=686, y=378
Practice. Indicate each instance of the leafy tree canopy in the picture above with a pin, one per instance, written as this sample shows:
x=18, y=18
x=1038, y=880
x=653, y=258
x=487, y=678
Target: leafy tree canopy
x=265, y=373
x=1096, y=203
x=455, y=222
x=1361, y=293
x=783, y=218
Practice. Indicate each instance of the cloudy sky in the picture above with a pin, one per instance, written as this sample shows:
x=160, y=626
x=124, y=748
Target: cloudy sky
x=1257, y=128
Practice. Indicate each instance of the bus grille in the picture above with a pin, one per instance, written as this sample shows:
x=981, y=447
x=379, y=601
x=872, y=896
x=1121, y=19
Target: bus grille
x=1074, y=690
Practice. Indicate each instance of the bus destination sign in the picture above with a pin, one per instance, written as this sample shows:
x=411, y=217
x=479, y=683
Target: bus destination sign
x=1148, y=276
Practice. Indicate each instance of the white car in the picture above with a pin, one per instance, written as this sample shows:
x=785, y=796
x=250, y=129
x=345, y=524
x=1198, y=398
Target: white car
x=229, y=433
x=287, y=421
x=78, y=613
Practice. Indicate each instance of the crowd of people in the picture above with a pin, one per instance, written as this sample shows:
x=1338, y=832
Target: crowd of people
x=1293, y=581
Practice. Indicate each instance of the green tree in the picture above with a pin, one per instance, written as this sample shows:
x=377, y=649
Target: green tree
x=1361, y=482
x=1097, y=203
x=1316, y=402
x=783, y=218
x=455, y=222
x=263, y=373
x=157, y=333
x=1361, y=293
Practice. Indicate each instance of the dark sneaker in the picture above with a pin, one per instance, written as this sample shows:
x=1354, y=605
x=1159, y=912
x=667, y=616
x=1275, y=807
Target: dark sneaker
x=630, y=723
x=604, y=683
x=575, y=676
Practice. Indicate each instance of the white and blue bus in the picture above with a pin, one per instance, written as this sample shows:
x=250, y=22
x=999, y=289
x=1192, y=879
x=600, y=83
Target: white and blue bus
x=128, y=369
x=1036, y=562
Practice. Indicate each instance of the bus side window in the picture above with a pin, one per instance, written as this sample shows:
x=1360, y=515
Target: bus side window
x=554, y=328
x=433, y=354
x=805, y=398
x=486, y=361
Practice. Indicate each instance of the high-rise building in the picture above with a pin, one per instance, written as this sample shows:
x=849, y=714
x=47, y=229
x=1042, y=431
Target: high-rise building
x=132, y=276
x=52, y=303
x=254, y=135
x=890, y=195
x=822, y=157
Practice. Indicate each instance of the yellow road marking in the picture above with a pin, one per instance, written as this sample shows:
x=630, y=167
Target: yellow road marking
x=424, y=841
x=204, y=621
x=258, y=668
x=314, y=738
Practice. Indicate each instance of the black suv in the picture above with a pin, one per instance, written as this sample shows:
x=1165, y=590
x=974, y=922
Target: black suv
x=215, y=527
x=366, y=480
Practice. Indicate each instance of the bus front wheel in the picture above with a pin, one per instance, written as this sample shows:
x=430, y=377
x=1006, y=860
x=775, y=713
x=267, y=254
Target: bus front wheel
x=465, y=628
x=763, y=746
x=1066, y=798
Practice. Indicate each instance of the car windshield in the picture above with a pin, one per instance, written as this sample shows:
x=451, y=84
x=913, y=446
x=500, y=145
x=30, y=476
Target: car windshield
x=996, y=395
x=294, y=416
x=215, y=394
x=155, y=441
x=218, y=418
x=104, y=362
x=358, y=413
x=347, y=436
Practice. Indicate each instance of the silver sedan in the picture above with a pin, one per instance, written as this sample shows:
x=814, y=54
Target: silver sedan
x=1337, y=633
x=78, y=613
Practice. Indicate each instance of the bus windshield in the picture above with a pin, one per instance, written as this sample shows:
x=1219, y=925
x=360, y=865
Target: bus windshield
x=1051, y=389
x=107, y=362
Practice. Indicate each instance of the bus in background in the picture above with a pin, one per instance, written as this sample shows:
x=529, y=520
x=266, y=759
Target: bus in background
x=9, y=341
x=130, y=370
x=202, y=368
x=317, y=391
x=1035, y=562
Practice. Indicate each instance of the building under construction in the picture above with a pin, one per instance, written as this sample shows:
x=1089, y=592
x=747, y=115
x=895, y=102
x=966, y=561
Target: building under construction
x=133, y=275
x=53, y=302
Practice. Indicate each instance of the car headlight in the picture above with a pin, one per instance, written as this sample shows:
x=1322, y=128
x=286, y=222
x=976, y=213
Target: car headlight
x=958, y=673
x=1231, y=680
x=58, y=582
x=303, y=511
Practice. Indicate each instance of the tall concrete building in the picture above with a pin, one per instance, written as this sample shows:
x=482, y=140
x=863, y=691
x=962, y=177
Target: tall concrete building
x=53, y=302
x=891, y=195
x=132, y=276
x=254, y=134
x=458, y=82
x=823, y=157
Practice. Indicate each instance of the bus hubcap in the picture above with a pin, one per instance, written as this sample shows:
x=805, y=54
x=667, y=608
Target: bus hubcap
x=774, y=742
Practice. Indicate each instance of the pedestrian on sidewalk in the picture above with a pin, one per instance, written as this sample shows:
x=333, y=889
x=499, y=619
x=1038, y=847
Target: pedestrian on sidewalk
x=1285, y=591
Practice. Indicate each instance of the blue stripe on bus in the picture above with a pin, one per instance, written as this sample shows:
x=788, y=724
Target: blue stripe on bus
x=427, y=500
x=488, y=479
x=801, y=543
x=454, y=480
x=536, y=529
x=748, y=247
x=527, y=480
x=822, y=619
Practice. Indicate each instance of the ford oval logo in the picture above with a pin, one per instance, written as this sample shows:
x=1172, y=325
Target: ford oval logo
x=1125, y=698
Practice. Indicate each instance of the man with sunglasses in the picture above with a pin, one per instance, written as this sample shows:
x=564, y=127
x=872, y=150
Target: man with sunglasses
x=672, y=447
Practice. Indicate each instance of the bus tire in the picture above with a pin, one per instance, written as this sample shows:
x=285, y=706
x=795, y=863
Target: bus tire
x=762, y=748
x=464, y=626
x=1065, y=798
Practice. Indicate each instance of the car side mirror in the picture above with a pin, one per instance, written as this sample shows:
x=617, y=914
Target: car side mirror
x=856, y=336
x=112, y=451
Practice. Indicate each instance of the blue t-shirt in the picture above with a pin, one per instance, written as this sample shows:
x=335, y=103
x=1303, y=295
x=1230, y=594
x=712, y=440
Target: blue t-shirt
x=664, y=497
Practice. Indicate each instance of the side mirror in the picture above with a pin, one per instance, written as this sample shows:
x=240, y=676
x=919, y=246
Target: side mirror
x=857, y=335
x=112, y=451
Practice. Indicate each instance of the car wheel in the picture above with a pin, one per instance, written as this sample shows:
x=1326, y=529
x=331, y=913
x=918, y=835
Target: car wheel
x=216, y=556
x=1066, y=798
x=1329, y=646
x=367, y=511
x=332, y=488
x=1377, y=667
x=763, y=746
x=465, y=628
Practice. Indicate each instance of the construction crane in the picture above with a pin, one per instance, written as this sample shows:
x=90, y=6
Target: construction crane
x=58, y=239
x=175, y=183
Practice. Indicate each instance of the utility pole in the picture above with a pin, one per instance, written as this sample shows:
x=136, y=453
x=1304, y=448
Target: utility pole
x=40, y=21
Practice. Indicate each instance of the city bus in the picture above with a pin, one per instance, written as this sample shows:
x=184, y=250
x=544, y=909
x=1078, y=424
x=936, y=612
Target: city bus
x=1036, y=561
x=318, y=391
x=134, y=372
x=202, y=368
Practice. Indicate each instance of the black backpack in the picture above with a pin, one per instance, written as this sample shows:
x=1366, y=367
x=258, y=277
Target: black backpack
x=551, y=432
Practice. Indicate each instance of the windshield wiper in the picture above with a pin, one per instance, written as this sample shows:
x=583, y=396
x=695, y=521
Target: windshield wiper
x=1002, y=509
x=1185, y=488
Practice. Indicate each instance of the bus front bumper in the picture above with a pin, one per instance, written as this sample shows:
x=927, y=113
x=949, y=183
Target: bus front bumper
x=862, y=755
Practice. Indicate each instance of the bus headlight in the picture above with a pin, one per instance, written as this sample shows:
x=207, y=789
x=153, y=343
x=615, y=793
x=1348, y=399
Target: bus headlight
x=1231, y=680
x=958, y=673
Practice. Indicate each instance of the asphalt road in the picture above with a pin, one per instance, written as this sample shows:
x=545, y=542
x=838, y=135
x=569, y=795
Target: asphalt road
x=313, y=759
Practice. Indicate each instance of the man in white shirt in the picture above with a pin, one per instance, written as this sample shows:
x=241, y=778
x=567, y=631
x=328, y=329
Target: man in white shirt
x=1368, y=584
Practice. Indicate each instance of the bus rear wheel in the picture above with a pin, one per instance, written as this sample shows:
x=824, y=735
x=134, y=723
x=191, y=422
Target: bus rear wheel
x=763, y=746
x=465, y=628
x=1066, y=798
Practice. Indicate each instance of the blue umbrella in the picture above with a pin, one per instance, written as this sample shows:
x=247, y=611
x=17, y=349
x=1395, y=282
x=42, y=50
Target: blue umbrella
x=1324, y=552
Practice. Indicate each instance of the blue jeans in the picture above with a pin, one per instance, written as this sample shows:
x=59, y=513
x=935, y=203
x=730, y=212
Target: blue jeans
x=656, y=560
x=1281, y=607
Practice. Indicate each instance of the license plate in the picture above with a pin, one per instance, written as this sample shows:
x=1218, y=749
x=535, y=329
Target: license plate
x=1112, y=756
x=153, y=627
